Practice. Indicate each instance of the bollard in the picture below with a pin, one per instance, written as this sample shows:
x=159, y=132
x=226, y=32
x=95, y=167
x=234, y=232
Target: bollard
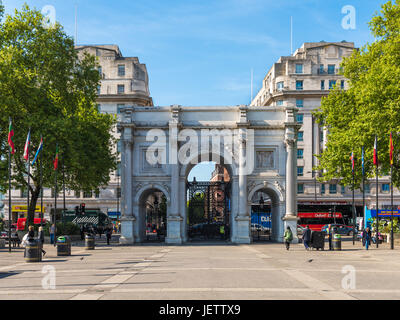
x=63, y=246
x=33, y=251
x=89, y=242
x=337, y=242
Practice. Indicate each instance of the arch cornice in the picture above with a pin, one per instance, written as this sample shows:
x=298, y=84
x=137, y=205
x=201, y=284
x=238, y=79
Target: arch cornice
x=275, y=187
x=142, y=187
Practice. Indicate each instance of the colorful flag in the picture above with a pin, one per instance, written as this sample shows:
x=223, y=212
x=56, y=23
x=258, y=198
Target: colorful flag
x=26, y=148
x=55, y=162
x=352, y=162
x=10, y=135
x=376, y=151
x=391, y=149
x=38, y=151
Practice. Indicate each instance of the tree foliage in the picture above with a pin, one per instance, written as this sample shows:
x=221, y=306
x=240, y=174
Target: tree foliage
x=371, y=105
x=44, y=86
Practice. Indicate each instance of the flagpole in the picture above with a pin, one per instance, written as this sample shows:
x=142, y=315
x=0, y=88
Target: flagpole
x=377, y=211
x=55, y=201
x=354, y=216
x=41, y=187
x=29, y=169
x=363, y=184
x=63, y=217
x=391, y=192
x=9, y=198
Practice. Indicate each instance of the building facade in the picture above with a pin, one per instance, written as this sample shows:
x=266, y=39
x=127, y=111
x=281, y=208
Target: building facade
x=302, y=79
x=124, y=82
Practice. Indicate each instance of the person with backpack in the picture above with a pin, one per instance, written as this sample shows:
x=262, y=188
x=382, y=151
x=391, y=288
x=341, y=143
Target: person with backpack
x=288, y=237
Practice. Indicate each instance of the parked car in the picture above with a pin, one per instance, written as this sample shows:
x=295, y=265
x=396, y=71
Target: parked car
x=340, y=229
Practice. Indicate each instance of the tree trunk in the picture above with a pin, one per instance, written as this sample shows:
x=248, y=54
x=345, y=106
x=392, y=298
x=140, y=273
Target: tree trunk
x=32, y=206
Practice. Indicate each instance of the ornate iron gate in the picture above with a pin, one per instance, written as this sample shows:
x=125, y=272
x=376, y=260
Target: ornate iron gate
x=208, y=209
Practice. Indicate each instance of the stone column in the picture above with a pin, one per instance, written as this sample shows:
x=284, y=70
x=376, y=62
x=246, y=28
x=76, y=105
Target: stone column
x=243, y=218
x=174, y=234
x=128, y=219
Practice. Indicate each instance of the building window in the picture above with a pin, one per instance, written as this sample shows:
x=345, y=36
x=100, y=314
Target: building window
x=300, y=171
x=331, y=69
x=280, y=85
x=119, y=107
x=321, y=69
x=342, y=189
x=322, y=189
x=300, y=153
x=322, y=84
x=98, y=106
x=98, y=89
x=121, y=88
x=119, y=146
x=279, y=103
x=332, y=83
x=97, y=52
x=53, y=193
x=300, y=136
x=385, y=187
x=100, y=71
x=118, y=192
x=321, y=136
x=77, y=194
x=121, y=70
x=367, y=188
x=342, y=84
x=299, y=85
x=97, y=193
x=332, y=188
x=299, y=68
x=299, y=118
x=87, y=194
x=300, y=188
x=299, y=103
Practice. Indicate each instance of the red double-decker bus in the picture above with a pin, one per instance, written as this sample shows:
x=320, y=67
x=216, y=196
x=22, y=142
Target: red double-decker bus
x=316, y=220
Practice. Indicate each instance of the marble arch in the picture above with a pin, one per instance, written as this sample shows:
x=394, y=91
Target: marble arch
x=272, y=150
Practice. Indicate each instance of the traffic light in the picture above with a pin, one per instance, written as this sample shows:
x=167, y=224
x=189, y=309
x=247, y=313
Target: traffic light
x=83, y=208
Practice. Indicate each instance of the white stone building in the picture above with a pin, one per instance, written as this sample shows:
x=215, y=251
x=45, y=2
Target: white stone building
x=303, y=79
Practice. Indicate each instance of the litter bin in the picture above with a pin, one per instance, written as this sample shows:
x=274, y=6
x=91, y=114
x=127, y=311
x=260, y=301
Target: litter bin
x=318, y=240
x=63, y=246
x=33, y=250
x=89, y=242
x=337, y=242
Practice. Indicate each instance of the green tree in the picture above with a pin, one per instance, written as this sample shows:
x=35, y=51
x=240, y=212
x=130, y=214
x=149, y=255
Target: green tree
x=371, y=105
x=46, y=87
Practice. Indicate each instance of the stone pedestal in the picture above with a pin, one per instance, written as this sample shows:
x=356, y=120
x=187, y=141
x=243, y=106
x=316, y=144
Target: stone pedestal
x=127, y=234
x=291, y=221
x=242, y=230
x=174, y=230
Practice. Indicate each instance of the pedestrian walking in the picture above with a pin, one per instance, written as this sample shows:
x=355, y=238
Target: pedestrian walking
x=108, y=235
x=41, y=239
x=52, y=232
x=222, y=232
x=288, y=237
x=329, y=231
x=15, y=238
x=307, y=237
x=31, y=232
x=366, y=238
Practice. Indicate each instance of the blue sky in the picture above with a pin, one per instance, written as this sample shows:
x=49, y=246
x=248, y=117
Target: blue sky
x=201, y=52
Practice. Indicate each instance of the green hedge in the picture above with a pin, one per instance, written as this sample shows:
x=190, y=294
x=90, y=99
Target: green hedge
x=67, y=228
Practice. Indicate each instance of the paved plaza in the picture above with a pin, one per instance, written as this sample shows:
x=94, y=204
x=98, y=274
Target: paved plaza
x=204, y=271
